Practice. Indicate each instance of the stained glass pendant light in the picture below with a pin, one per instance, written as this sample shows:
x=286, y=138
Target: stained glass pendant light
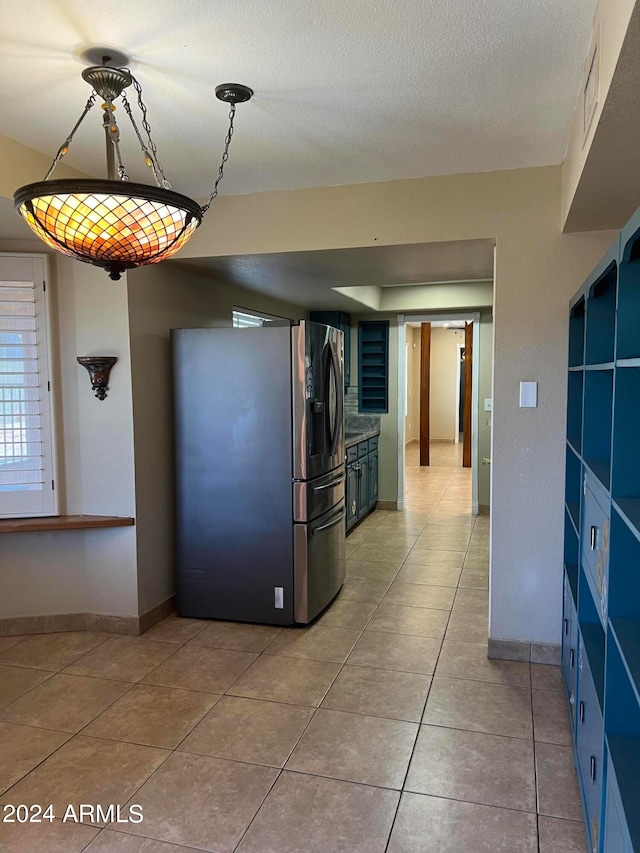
x=116, y=223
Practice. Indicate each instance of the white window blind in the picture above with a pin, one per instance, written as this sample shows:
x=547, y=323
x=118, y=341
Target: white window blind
x=26, y=458
x=245, y=319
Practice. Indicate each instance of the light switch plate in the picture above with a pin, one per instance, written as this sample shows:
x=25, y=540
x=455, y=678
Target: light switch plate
x=528, y=395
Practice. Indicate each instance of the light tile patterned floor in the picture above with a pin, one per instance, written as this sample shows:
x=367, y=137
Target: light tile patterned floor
x=382, y=727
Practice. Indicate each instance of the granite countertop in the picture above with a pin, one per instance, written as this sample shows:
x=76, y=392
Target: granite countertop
x=352, y=437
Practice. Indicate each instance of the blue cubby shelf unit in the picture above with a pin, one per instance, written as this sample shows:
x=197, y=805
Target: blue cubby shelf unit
x=373, y=366
x=575, y=395
x=601, y=559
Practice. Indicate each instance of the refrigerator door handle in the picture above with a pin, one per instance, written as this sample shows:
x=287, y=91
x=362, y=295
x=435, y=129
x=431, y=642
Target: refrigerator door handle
x=336, y=520
x=330, y=485
x=335, y=366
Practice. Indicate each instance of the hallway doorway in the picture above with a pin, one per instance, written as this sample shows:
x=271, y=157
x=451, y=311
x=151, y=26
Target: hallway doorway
x=432, y=432
x=443, y=384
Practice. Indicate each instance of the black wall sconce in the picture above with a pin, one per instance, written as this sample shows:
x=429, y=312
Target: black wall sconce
x=99, y=367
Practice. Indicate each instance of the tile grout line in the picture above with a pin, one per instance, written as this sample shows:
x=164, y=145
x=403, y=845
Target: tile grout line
x=313, y=716
x=72, y=735
x=108, y=828
x=173, y=751
x=535, y=763
x=318, y=707
x=435, y=667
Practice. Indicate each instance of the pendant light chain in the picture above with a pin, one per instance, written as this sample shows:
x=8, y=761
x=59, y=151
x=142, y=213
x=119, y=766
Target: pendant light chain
x=148, y=159
x=152, y=151
x=225, y=157
x=65, y=145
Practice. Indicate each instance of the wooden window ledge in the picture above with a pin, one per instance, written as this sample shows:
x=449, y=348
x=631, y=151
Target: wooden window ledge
x=62, y=522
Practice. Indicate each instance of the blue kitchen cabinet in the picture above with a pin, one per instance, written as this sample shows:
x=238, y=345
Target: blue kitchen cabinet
x=352, y=486
x=362, y=479
x=589, y=741
x=363, y=484
x=570, y=646
x=373, y=479
x=616, y=836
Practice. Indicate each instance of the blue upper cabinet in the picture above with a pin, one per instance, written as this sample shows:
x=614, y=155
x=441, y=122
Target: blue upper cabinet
x=342, y=321
x=575, y=394
x=373, y=366
x=629, y=291
x=625, y=489
x=596, y=430
x=576, y=332
x=602, y=290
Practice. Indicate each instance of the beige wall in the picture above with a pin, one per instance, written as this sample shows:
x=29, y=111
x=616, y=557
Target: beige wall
x=82, y=570
x=161, y=298
x=537, y=270
x=453, y=296
x=443, y=385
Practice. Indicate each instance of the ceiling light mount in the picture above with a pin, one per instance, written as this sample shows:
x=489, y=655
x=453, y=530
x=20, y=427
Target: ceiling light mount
x=115, y=223
x=105, y=56
x=233, y=93
x=108, y=82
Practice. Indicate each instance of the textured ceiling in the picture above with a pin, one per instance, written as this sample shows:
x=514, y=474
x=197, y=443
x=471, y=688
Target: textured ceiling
x=345, y=92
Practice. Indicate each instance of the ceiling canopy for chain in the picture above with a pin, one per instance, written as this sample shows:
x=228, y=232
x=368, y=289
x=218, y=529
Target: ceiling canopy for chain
x=116, y=223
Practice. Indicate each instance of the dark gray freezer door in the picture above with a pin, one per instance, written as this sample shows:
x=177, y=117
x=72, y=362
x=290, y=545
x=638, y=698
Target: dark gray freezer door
x=232, y=402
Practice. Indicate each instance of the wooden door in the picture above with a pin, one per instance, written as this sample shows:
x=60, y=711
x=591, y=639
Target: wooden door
x=425, y=386
x=468, y=373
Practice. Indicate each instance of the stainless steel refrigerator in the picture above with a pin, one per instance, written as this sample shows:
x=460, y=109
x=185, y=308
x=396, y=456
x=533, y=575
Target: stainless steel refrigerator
x=260, y=477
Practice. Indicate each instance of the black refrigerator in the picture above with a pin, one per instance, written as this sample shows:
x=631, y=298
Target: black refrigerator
x=260, y=476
